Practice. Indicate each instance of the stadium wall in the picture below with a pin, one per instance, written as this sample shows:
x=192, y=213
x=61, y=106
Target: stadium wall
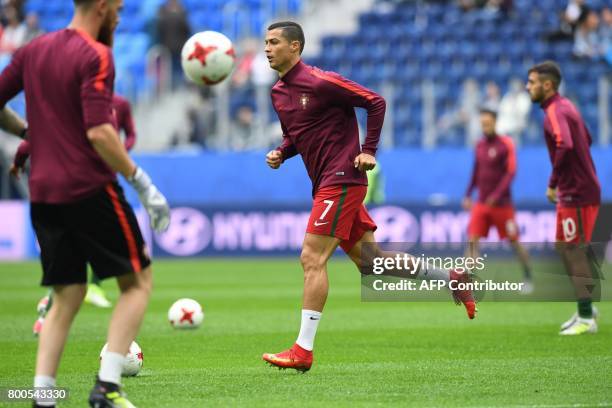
x=201, y=231
x=411, y=176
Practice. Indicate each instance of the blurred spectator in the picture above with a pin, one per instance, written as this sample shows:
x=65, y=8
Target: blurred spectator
x=568, y=19
x=586, y=39
x=242, y=74
x=466, y=117
x=469, y=5
x=242, y=128
x=16, y=4
x=573, y=11
x=14, y=33
x=605, y=33
x=513, y=112
x=172, y=32
x=487, y=9
x=492, y=97
x=33, y=29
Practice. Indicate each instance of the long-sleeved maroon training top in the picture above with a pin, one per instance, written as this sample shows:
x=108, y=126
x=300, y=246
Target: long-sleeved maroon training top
x=68, y=80
x=122, y=115
x=568, y=141
x=317, y=115
x=494, y=170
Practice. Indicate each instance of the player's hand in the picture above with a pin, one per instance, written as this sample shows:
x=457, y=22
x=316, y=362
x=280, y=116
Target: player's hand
x=551, y=194
x=274, y=159
x=154, y=202
x=15, y=170
x=466, y=203
x=365, y=162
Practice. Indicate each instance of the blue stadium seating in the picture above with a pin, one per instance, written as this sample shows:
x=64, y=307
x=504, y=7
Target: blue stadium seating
x=448, y=47
x=403, y=45
x=133, y=34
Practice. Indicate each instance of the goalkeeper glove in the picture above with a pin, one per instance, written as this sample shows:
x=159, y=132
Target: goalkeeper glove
x=153, y=201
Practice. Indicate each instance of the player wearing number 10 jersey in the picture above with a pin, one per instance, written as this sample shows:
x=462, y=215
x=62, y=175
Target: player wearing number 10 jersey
x=573, y=186
x=316, y=111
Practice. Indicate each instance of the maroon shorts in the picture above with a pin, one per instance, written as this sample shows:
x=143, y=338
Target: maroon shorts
x=576, y=224
x=484, y=216
x=338, y=211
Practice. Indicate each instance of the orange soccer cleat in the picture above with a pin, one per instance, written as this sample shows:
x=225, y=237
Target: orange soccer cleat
x=464, y=295
x=296, y=358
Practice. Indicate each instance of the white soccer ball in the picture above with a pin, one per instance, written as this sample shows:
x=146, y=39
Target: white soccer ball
x=133, y=360
x=208, y=58
x=185, y=314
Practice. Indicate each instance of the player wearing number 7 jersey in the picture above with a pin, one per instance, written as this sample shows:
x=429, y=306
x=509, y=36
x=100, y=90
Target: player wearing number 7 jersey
x=573, y=186
x=316, y=111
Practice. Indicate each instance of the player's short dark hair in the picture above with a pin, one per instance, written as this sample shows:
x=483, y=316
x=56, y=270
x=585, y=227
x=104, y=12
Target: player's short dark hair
x=292, y=31
x=83, y=3
x=550, y=70
x=488, y=111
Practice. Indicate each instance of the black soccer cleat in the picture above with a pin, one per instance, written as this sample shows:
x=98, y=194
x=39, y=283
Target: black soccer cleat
x=108, y=395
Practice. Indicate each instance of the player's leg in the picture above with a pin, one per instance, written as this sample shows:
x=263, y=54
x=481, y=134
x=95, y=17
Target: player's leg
x=115, y=249
x=64, y=268
x=333, y=208
x=574, y=229
x=507, y=228
x=478, y=227
x=95, y=294
x=473, y=247
x=316, y=251
x=362, y=248
x=523, y=257
x=42, y=308
x=66, y=304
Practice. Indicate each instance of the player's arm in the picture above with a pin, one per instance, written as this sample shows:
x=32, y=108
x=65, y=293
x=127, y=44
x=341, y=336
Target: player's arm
x=563, y=144
x=467, y=199
x=96, y=100
x=129, y=128
x=21, y=156
x=12, y=123
x=348, y=93
x=11, y=83
x=106, y=142
x=285, y=151
x=505, y=181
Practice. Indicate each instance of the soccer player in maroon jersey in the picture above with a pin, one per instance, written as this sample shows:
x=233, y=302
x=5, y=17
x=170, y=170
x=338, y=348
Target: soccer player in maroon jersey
x=125, y=122
x=573, y=186
x=494, y=170
x=78, y=209
x=316, y=111
x=96, y=295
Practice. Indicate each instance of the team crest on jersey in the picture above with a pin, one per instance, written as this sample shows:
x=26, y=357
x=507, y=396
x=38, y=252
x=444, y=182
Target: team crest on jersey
x=304, y=99
x=492, y=153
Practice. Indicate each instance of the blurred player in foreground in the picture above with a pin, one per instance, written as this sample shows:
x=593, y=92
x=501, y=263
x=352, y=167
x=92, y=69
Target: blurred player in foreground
x=95, y=293
x=316, y=110
x=494, y=170
x=573, y=187
x=78, y=209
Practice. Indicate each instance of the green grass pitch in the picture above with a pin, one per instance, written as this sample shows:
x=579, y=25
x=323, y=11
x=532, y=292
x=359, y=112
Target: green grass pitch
x=367, y=354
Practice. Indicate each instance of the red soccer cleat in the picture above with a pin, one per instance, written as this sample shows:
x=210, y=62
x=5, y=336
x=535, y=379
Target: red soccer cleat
x=464, y=296
x=296, y=358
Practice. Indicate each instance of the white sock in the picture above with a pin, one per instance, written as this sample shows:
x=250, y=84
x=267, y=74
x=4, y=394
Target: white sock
x=111, y=366
x=44, y=381
x=431, y=273
x=308, y=329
